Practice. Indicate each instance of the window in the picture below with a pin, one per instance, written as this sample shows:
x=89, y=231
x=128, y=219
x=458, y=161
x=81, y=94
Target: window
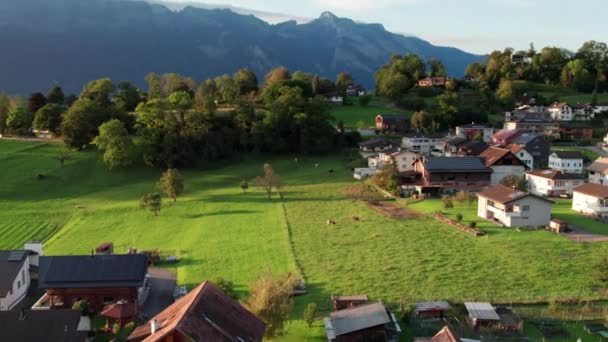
x=525, y=208
x=23, y=276
x=18, y=284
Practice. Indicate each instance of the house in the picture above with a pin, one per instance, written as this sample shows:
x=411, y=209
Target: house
x=504, y=137
x=36, y=326
x=591, y=199
x=357, y=90
x=347, y=302
x=422, y=143
x=444, y=335
x=583, y=112
x=535, y=126
x=369, y=322
x=99, y=279
x=374, y=146
x=561, y=111
x=598, y=171
x=567, y=161
x=535, y=144
x=471, y=148
x=552, y=183
x=528, y=112
x=204, y=314
x=503, y=163
x=335, y=98
x=15, y=279
x=378, y=161
x=432, y=82
x=431, y=310
x=522, y=154
x=405, y=160
x=449, y=147
x=482, y=314
x=473, y=130
x=513, y=208
x=601, y=108
x=520, y=59
x=575, y=130
x=437, y=173
x=392, y=123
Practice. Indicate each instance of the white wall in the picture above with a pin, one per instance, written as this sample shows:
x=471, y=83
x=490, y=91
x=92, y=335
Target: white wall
x=542, y=186
x=566, y=165
x=539, y=213
x=526, y=158
x=598, y=178
x=587, y=205
x=20, y=286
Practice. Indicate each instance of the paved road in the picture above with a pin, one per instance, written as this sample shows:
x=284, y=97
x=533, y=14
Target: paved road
x=162, y=283
x=580, y=235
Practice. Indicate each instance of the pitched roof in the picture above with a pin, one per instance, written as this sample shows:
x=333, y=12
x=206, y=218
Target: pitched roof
x=505, y=134
x=493, y=154
x=558, y=105
x=45, y=325
x=474, y=125
x=599, y=165
x=516, y=147
x=204, y=314
x=85, y=271
x=593, y=189
x=569, y=154
x=504, y=194
x=455, y=141
x=445, y=335
x=554, y=174
x=10, y=264
x=473, y=148
x=376, y=142
x=431, y=306
x=425, y=135
x=483, y=311
x=525, y=138
x=359, y=318
x=455, y=164
x=120, y=310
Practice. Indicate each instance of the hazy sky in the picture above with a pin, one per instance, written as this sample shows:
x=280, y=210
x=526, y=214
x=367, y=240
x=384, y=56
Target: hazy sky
x=473, y=25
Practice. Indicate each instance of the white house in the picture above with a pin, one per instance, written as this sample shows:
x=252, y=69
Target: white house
x=473, y=130
x=605, y=144
x=552, y=183
x=405, y=160
x=522, y=154
x=567, y=161
x=561, y=112
x=591, y=199
x=600, y=108
x=598, y=171
x=364, y=172
x=513, y=208
x=373, y=147
x=422, y=143
x=583, y=112
x=15, y=273
x=503, y=163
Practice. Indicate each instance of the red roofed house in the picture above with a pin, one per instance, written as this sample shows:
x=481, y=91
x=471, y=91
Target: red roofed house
x=513, y=208
x=504, y=137
x=204, y=314
x=432, y=82
x=503, y=163
x=591, y=199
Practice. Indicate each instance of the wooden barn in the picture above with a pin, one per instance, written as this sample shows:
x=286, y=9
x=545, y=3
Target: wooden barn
x=347, y=302
x=431, y=310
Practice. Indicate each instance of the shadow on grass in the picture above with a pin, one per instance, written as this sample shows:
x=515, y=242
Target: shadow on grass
x=262, y=198
x=221, y=213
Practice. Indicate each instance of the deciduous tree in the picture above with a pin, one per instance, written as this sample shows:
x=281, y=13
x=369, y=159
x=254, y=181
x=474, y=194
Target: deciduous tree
x=310, y=314
x=171, y=183
x=277, y=74
x=270, y=180
x=55, y=96
x=117, y=146
x=343, y=81
x=36, y=101
x=152, y=201
x=246, y=81
x=19, y=121
x=80, y=122
x=49, y=118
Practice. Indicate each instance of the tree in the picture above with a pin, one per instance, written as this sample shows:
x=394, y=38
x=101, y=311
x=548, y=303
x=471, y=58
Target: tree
x=19, y=121
x=436, y=68
x=246, y=81
x=244, y=186
x=271, y=299
x=276, y=75
x=269, y=180
x=514, y=181
x=595, y=56
x=82, y=306
x=343, y=81
x=171, y=183
x=55, y=96
x=154, y=86
x=310, y=314
x=36, y=101
x=127, y=97
x=152, y=201
x=117, y=146
x=505, y=93
x=459, y=217
x=227, y=287
x=49, y=118
x=227, y=90
x=4, y=110
x=80, y=123
x=421, y=121
x=364, y=100
x=62, y=157
x=70, y=99
x=447, y=201
x=99, y=91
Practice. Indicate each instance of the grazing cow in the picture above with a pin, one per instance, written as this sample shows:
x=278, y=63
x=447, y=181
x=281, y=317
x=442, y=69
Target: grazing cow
x=356, y=218
x=330, y=222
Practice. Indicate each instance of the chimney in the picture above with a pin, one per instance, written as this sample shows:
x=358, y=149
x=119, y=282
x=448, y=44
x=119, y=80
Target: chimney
x=154, y=326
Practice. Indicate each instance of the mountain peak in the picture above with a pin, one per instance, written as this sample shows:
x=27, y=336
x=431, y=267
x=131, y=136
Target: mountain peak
x=328, y=16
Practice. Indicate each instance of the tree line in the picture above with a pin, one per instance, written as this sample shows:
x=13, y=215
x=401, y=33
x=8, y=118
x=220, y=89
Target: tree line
x=178, y=122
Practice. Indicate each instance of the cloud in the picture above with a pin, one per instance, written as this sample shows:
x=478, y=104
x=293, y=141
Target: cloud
x=361, y=5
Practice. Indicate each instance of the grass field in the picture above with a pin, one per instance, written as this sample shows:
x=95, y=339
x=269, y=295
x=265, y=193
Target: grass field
x=352, y=115
x=220, y=232
x=562, y=209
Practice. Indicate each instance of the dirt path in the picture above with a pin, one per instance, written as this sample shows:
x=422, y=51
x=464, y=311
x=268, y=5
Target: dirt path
x=392, y=210
x=580, y=235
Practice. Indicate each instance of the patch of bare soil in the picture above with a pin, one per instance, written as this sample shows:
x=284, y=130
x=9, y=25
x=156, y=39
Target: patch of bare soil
x=391, y=210
x=362, y=192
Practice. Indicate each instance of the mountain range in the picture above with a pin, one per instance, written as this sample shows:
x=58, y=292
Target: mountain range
x=69, y=42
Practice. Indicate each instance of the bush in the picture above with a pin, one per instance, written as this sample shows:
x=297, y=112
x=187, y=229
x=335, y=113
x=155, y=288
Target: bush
x=459, y=217
x=447, y=201
x=473, y=224
x=415, y=104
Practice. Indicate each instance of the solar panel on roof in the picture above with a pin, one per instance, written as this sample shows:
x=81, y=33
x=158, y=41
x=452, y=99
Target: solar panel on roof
x=16, y=255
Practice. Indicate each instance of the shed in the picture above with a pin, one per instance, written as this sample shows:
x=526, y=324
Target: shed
x=370, y=322
x=558, y=226
x=431, y=310
x=106, y=248
x=482, y=314
x=121, y=312
x=347, y=302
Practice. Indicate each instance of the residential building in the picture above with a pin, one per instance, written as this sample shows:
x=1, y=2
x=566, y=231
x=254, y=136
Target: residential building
x=535, y=144
x=405, y=160
x=204, y=314
x=552, y=183
x=528, y=112
x=334, y=98
x=535, y=126
x=422, y=143
x=449, y=146
x=369, y=322
x=15, y=279
x=591, y=199
x=575, y=130
x=513, y=208
x=373, y=147
x=583, y=112
x=37, y=326
x=598, y=171
x=600, y=108
x=432, y=82
x=504, y=137
x=567, y=161
x=100, y=279
x=522, y=154
x=436, y=173
x=503, y=163
x=392, y=123
x=561, y=111
x=521, y=59
x=474, y=130
x=471, y=148
x=357, y=90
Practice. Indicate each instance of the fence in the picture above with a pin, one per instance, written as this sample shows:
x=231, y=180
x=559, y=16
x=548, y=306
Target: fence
x=458, y=225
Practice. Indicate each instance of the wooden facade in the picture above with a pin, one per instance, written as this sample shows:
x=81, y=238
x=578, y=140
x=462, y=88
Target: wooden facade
x=97, y=297
x=373, y=334
x=452, y=179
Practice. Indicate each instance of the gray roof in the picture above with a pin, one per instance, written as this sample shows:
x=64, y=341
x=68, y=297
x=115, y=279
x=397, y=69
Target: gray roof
x=393, y=117
x=376, y=142
x=482, y=311
x=358, y=318
x=455, y=164
x=455, y=141
x=569, y=154
x=44, y=325
x=85, y=271
x=524, y=138
x=432, y=306
x=10, y=264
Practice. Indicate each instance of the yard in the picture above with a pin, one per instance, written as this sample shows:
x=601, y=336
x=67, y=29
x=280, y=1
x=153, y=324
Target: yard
x=562, y=209
x=352, y=115
x=220, y=232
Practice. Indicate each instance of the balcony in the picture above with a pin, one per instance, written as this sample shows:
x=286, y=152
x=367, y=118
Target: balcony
x=502, y=213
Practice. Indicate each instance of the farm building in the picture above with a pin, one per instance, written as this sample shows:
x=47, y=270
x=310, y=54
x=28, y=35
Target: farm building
x=347, y=302
x=513, y=208
x=369, y=322
x=482, y=315
x=100, y=279
x=503, y=163
x=451, y=173
x=204, y=314
x=392, y=123
x=444, y=335
x=431, y=310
